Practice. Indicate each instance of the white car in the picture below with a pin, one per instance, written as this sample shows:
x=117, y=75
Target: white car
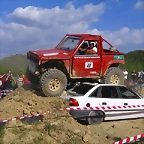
x=92, y=95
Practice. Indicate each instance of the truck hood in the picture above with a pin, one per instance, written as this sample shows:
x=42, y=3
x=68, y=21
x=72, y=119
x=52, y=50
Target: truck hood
x=52, y=53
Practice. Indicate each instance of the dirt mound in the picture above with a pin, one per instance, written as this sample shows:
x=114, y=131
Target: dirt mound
x=60, y=127
x=25, y=102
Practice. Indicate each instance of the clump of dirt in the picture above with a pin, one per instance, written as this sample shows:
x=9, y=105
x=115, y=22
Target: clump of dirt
x=60, y=127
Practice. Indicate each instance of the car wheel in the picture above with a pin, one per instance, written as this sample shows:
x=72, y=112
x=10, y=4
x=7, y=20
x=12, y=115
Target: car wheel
x=95, y=117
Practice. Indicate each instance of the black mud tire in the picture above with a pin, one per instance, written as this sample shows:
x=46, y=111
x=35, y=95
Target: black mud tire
x=47, y=78
x=32, y=78
x=114, y=72
x=95, y=117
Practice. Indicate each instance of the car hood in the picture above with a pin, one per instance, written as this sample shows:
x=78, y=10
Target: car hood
x=52, y=53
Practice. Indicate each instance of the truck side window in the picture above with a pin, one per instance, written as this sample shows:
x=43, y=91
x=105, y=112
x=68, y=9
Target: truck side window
x=107, y=47
x=88, y=48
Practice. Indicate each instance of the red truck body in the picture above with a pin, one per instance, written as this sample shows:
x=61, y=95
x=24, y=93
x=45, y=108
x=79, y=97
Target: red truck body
x=73, y=65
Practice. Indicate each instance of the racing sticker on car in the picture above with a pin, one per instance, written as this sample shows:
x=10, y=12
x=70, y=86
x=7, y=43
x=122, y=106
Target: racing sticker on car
x=88, y=65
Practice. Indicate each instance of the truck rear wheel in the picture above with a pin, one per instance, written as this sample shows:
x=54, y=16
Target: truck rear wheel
x=114, y=75
x=53, y=82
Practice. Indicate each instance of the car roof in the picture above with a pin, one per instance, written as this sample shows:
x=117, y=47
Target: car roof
x=94, y=84
x=88, y=83
x=111, y=85
x=80, y=35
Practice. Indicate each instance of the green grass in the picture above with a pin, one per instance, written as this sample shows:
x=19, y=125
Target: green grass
x=15, y=63
x=18, y=130
x=38, y=140
x=134, y=60
x=74, y=140
x=2, y=133
x=49, y=128
x=14, y=72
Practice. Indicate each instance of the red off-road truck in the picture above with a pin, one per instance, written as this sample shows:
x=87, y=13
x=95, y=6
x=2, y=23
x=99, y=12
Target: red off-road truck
x=54, y=69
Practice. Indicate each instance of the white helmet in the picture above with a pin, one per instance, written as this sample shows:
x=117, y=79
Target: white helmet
x=94, y=43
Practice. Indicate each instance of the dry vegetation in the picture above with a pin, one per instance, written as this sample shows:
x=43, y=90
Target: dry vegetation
x=59, y=127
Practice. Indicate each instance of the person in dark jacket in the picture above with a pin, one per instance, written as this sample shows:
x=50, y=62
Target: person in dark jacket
x=134, y=76
x=8, y=82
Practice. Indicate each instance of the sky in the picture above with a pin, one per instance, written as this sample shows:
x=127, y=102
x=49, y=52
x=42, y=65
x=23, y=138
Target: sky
x=40, y=24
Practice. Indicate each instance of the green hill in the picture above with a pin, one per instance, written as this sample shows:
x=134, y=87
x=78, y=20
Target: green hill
x=134, y=60
x=19, y=62
x=15, y=63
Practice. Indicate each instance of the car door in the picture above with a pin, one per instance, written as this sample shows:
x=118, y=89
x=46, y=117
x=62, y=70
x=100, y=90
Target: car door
x=110, y=97
x=129, y=98
x=86, y=65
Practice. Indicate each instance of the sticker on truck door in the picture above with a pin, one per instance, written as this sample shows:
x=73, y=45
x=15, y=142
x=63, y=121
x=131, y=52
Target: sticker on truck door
x=88, y=65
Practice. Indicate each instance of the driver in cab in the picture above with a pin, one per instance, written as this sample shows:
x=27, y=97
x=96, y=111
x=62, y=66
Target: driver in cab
x=88, y=50
x=91, y=49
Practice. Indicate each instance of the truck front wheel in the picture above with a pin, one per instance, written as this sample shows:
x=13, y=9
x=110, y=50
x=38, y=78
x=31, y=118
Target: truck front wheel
x=114, y=75
x=53, y=82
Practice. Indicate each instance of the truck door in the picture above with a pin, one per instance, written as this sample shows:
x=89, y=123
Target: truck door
x=87, y=66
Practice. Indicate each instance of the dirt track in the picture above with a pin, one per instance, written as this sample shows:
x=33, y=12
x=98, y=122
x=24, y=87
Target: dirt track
x=60, y=128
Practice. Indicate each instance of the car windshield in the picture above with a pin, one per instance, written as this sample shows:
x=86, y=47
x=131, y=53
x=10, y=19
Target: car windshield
x=69, y=43
x=81, y=89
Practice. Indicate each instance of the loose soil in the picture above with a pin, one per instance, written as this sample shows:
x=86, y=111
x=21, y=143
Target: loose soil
x=59, y=126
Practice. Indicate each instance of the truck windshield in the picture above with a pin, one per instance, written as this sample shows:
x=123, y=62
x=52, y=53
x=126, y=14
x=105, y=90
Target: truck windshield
x=69, y=43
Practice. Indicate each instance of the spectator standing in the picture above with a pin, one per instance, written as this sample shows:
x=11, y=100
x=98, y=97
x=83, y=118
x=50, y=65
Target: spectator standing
x=133, y=76
x=140, y=82
x=125, y=72
x=140, y=73
x=2, y=81
x=20, y=80
x=8, y=82
x=3, y=77
x=1, y=85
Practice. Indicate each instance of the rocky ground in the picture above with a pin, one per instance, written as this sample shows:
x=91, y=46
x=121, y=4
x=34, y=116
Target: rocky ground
x=59, y=126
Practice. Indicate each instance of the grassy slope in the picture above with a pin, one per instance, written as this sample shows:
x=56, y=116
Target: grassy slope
x=16, y=63
x=134, y=60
